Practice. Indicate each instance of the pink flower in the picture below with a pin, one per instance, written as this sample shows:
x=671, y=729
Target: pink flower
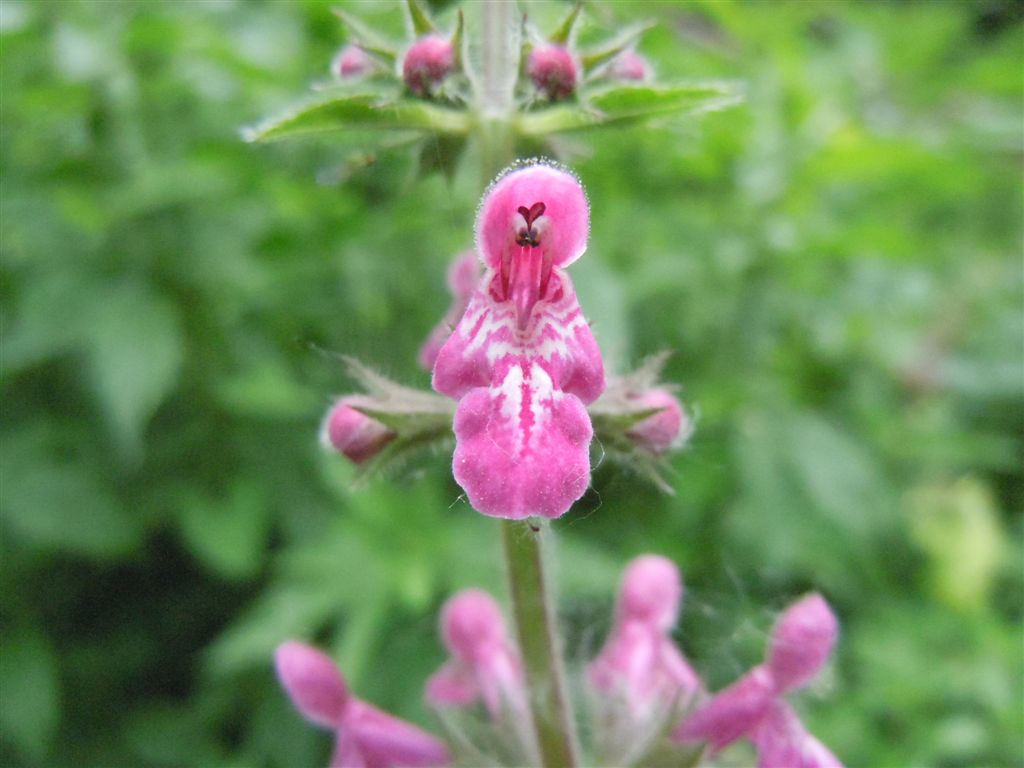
x=753, y=706
x=366, y=737
x=484, y=664
x=629, y=65
x=661, y=431
x=522, y=361
x=552, y=70
x=463, y=276
x=639, y=661
x=352, y=62
x=427, y=63
x=352, y=433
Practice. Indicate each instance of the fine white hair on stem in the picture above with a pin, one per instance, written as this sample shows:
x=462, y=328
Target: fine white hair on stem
x=492, y=57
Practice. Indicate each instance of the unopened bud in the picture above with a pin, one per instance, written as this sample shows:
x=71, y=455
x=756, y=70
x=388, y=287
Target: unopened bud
x=661, y=431
x=629, y=65
x=351, y=62
x=352, y=433
x=801, y=642
x=427, y=63
x=553, y=71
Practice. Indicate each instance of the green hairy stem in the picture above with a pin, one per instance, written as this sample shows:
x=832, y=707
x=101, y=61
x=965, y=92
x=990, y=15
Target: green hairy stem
x=536, y=632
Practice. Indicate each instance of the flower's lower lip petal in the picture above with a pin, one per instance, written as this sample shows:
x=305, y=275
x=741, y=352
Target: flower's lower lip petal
x=523, y=446
x=386, y=740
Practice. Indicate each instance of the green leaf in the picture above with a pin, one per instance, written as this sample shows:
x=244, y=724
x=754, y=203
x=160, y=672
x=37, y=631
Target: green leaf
x=49, y=320
x=367, y=38
x=65, y=508
x=629, y=104
x=441, y=154
x=229, y=535
x=610, y=49
x=421, y=23
x=460, y=24
x=30, y=704
x=336, y=111
x=563, y=33
x=306, y=594
x=136, y=351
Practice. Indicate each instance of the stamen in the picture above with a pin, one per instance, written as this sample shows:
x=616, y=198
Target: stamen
x=530, y=237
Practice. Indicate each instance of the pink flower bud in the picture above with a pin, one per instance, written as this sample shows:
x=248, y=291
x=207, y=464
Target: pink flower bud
x=352, y=62
x=552, y=70
x=629, y=65
x=664, y=430
x=312, y=682
x=802, y=641
x=522, y=361
x=353, y=433
x=427, y=63
x=652, y=591
x=484, y=662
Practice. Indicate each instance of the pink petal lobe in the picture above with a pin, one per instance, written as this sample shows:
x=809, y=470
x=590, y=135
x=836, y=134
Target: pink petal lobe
x=783, y=742
x=451, y=686
x=802, y=641
x=522, y=445
x=471, y=622
x=487, y=334
x=385, y=741
x=346, y=751
x=312, y=682
x=732, y=713
x=565, y=220
x=651, y=591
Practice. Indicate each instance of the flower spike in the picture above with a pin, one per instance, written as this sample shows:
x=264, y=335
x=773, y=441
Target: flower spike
x=522, y=361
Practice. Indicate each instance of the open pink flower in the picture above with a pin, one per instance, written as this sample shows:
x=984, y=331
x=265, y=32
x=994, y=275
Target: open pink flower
x=463, y=276
x=484, y=664
x=639, y=662
x=366, y=737
x=522, y=361
x=753, y=706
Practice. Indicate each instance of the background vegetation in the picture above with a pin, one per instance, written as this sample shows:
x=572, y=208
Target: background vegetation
x=836, y=263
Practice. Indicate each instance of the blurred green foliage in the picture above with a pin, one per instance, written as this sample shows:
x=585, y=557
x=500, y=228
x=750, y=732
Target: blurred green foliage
x=837, y=265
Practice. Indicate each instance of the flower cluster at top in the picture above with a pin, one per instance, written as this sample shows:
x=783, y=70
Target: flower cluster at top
x=517, y=354
x=431, y=65
x=644, y=700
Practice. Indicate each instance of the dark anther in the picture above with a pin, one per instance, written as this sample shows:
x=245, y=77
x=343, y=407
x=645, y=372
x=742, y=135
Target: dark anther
x=531, y=214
